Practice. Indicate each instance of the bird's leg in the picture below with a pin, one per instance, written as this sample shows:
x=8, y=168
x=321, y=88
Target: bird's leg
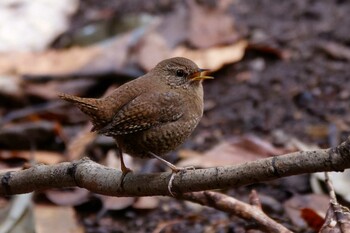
x=170, y=165
x=125, y=169
x=173, y=168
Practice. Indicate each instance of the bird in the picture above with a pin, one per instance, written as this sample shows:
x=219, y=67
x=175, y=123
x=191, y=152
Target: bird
x=150, y=115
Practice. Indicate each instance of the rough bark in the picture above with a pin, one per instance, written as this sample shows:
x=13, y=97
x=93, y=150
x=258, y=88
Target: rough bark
x=87, y=174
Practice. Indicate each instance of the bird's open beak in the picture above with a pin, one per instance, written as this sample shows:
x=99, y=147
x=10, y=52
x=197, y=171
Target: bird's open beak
x=199, y=75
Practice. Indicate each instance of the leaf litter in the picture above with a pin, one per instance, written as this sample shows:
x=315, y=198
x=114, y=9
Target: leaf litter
x=270, y=75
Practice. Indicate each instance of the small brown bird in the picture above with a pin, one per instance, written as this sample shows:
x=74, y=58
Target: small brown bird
x=153, y=114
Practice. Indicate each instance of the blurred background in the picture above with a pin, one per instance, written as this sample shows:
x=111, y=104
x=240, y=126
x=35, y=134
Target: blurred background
x=281, y=85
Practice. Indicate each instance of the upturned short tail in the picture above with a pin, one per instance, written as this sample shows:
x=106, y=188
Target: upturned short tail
x=91, y=107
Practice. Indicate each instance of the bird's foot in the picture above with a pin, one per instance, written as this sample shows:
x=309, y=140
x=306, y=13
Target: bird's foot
x=125, y=171
x=179, y=169
x=172, y=177
x=174, y=170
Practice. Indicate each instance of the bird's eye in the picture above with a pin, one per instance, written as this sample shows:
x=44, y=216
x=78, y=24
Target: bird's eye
x=180, y=73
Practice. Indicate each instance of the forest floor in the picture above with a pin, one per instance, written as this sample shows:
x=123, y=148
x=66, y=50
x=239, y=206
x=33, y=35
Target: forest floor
x=291, y=84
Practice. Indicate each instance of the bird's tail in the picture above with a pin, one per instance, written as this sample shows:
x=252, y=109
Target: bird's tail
x=89, y=106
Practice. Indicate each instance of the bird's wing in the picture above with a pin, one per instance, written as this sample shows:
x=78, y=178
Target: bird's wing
x=144, y=112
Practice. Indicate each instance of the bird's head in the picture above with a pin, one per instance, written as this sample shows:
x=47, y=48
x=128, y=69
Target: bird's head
x=181, y=72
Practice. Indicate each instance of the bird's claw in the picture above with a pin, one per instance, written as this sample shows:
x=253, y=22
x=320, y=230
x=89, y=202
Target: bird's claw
x=125, y=171
x=172, y=177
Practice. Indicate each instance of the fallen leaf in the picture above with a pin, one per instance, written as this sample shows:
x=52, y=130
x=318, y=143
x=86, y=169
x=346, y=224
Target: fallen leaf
x=98, y=58
x=56, y=219
x=45, y=157
x=314, y=220
x=49, y=90
x=153, y=44
x=173, y=26
x=213, y=58
x=116, y=203
x=295, y=205
x=209, y=27
x=146, y=203
x=233, y=151
x=68, y=197
x=78, y=145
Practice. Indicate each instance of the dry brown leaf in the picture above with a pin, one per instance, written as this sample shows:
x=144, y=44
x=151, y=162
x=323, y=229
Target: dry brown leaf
x=173, y=27
x=146, y=203
x=56, y=219
x=213, y=58
x=78, y=145
x=48, y=157
x=234, y=151
x=116, y=203
x=103, y=57
x=45, y=157
x=49, y=62
x=294, y=206
x=112, y=159
x=210, y=27
x=210, y=30
x=68, y=197
x=49, y=90
x=153, y=49
x=314, y=220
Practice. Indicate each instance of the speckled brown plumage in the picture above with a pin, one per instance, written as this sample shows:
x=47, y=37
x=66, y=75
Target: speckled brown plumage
x=153, y=113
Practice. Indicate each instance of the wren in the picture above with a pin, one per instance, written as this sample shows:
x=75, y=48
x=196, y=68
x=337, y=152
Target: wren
x=151, y=115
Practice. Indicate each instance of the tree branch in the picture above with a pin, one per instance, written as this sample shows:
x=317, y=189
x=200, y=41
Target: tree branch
x=231, y=205
x=87, y=174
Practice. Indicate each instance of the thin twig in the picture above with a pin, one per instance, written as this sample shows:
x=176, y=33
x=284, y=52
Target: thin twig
x=233, y=206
